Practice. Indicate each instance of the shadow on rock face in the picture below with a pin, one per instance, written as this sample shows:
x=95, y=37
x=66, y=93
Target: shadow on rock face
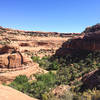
x=75, y=54
x=81, y=46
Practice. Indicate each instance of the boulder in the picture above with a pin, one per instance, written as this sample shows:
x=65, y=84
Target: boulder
x=60, y=90
x=14, y=60
x=11, y=60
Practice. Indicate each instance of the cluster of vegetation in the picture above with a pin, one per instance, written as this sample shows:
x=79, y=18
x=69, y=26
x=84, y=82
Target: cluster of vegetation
x=41, y=89
x=46, y=63
x=44, y=83
x=70, y=67
x=87, y=95
x=68, y=70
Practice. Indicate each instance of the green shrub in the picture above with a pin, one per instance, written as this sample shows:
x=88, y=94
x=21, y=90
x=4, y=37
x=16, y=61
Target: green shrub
x=54, y=66
x=44, y=83
x=21, y=83
x=45, y=63
x=35, y=58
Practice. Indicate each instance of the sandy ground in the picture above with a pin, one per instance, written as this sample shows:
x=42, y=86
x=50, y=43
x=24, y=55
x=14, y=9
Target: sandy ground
x=8, y=93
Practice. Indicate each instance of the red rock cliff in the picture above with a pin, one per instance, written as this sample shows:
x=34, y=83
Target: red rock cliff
x=89, y=41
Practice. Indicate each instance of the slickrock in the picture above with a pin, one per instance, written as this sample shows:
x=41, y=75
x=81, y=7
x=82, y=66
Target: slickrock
x=8, y=93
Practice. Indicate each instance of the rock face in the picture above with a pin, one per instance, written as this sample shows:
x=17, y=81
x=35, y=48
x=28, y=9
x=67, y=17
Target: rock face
x=7, y=49
x=3, y=61
x=86, y=44
x=92, y=32
x=11, y=58
x=14, y=60
x=89, y=40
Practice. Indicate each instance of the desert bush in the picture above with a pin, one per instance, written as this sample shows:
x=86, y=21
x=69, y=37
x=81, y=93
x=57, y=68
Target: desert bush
x=44, y=83
x=21, y=83
x=36, y=88
x=35, y=58
x=45, y=63
x=54, y=66
x=64, y=96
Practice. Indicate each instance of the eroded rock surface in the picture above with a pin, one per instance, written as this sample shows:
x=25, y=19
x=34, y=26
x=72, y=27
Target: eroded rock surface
x=10, y=57
x=88, y=40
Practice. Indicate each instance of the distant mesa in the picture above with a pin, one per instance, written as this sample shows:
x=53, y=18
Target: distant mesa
x=37, y=33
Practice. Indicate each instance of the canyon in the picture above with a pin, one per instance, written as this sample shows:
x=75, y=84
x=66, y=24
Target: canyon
x=17, y=47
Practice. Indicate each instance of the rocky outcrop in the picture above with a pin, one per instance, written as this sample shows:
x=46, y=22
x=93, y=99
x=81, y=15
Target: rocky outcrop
x=85, y=44
x=10, y=57
x=14, y=60
x=91, y=80
x=92, y=32
x=88, y=40
x=60, y=90
x=7, y=49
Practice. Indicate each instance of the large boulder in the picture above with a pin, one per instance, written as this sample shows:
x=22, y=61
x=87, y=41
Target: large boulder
x=15, y=60
x=11, y=60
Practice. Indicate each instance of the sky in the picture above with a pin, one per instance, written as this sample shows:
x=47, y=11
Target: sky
x=49, y=15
